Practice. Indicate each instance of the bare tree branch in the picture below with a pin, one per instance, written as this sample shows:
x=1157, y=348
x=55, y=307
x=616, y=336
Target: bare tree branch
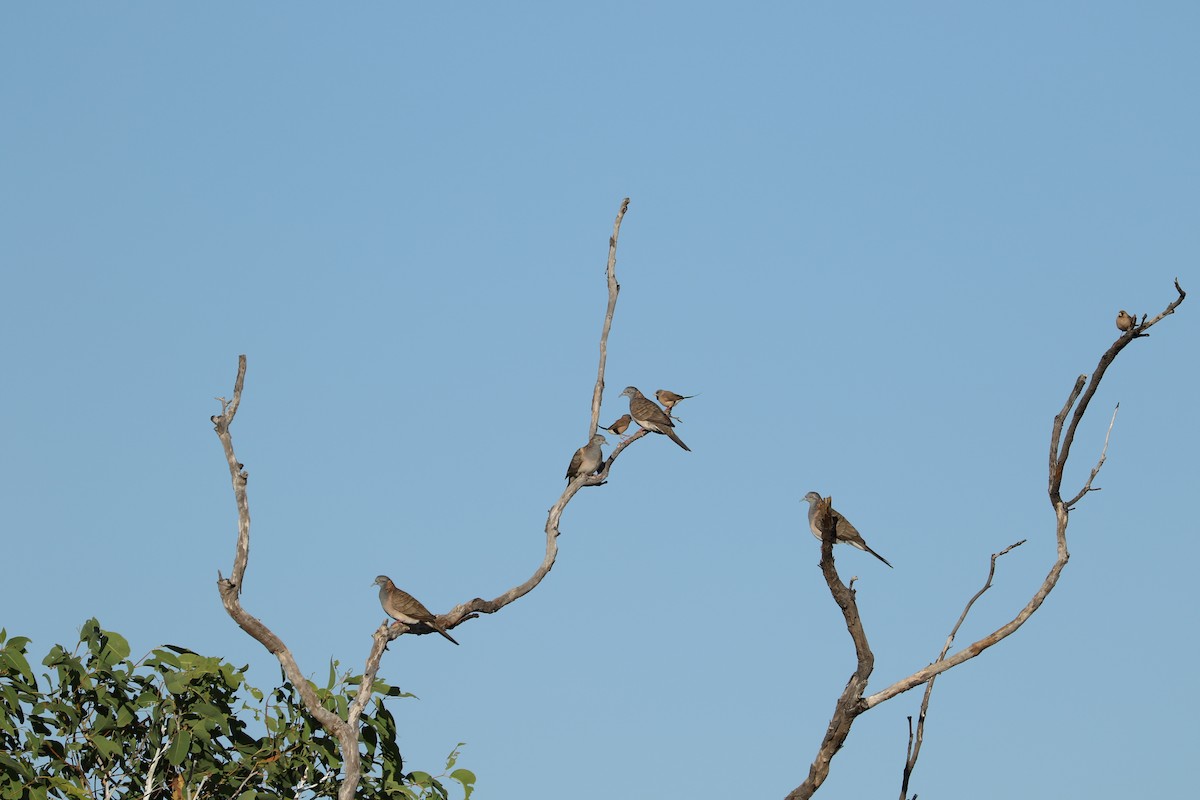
x=1136, y=332
x=1087, y=487
x=851, y=704
x=914, y=748
x=614, y=289
x=478, y=605
x=1060, y=447
x=347, y=731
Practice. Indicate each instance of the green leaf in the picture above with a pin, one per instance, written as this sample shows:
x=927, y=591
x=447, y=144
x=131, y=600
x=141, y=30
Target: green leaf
x=379, y=687
x=68, y=788
x=176, y=682
x=162, y=657
x=209, y=712
x=115, y=648
x=17, y=642
x=466, y=778
x=55, y=655
x=179, y=748
x=125, y=715
x=420, y=778
x=107, y=748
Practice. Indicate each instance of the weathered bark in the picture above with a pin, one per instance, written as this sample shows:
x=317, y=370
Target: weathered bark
x=346, y=731
x=852, y=703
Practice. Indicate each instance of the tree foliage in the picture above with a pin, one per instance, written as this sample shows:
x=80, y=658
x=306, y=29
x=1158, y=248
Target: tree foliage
x=179, y=725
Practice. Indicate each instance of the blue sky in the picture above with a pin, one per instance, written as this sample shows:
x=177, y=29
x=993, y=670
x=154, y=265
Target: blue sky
x=879, y=241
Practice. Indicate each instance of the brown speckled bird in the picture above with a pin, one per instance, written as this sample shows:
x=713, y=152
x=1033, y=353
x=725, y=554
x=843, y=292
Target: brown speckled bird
x=402, y=606
x=843, y=530
x=669, y=399
x=1124, y=321
x=620, y=426
x=651, y=417
x=587, y=459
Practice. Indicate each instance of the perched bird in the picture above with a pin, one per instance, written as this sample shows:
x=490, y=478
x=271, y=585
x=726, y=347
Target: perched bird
x=620, y=426
x=843, y=530
x=669, y=399
x=587, y=459
x=651, y=417
x=1124, y=321
x=402, y=606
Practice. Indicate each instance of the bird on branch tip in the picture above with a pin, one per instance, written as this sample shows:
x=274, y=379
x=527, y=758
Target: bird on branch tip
x=669, y=399
x=650, y=417
x=843, y=531
x=1124, y=321
x=402, y=606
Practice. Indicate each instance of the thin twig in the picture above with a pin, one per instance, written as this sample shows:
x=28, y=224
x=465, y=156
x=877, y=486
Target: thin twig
x=1060, y=446
x=849, y=707
x=1087, y=487
x=478, y=605
x=1136, y=332
x=914, y=750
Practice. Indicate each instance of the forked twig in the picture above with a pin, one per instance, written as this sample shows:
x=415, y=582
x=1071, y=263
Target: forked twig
x=852, y=703
x=914, y=748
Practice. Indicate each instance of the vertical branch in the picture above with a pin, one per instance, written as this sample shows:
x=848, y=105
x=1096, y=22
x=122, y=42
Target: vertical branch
x=478, y=605
x=614, y=289
x=230, y=590
x=849, y=704
x=222, y=422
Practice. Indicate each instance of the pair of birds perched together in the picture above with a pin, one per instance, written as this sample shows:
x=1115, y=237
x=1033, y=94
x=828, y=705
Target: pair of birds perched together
x=645, y=413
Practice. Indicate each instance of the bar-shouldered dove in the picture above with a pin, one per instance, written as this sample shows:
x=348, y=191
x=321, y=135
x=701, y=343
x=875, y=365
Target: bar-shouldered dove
x=620, y=426
x=843, y=530
x=587, y=459
x=402, y=606
x=651, y=417
x=1124, y=321
x=669, y=399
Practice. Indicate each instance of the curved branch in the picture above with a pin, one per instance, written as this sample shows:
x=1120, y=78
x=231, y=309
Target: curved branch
x=1060, y=448
x=472, y=608
x=849, y=705
x=346, y=731
x=231, y=589
x=1136, y=332
x=914, y=747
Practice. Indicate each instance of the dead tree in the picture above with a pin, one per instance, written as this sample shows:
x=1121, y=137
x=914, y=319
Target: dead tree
x=346, y=730
x=853, y=701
